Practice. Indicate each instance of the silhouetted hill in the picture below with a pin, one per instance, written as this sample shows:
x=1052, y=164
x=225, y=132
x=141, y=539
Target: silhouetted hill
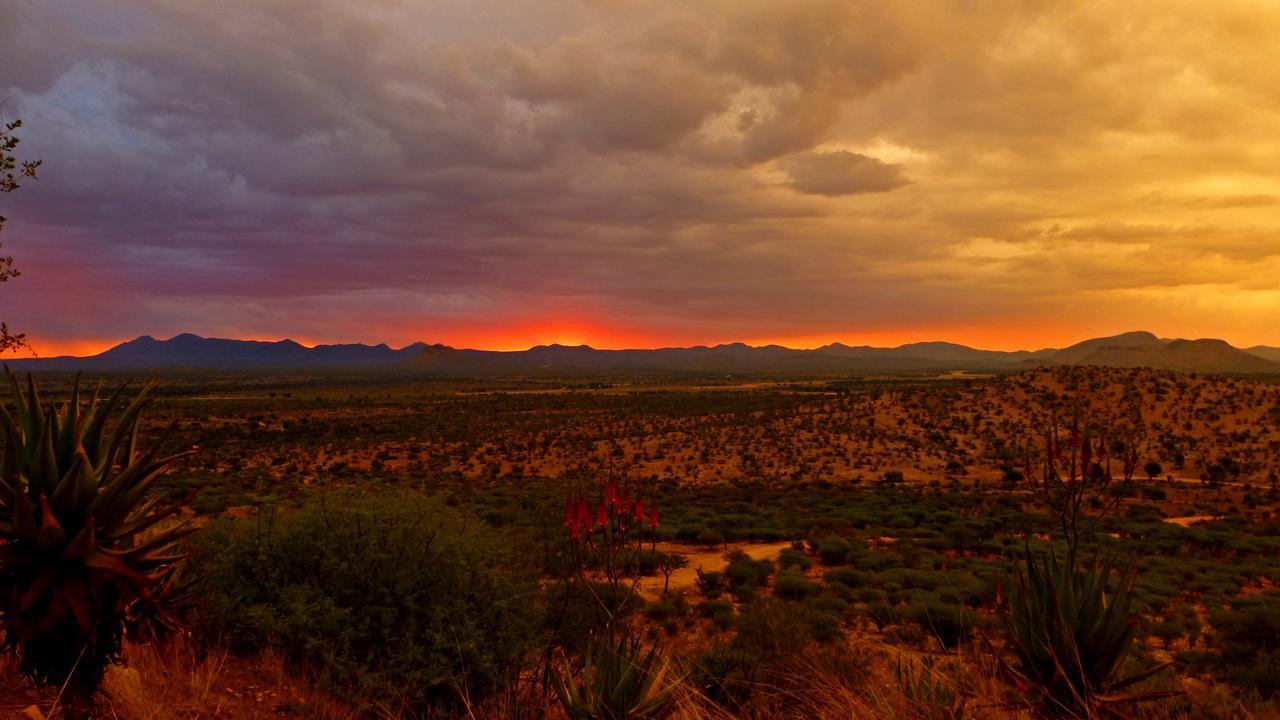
x=1143, y=349
x=192, y=351
x=1135, y=349
x=1126, y=342
x=1264, y=352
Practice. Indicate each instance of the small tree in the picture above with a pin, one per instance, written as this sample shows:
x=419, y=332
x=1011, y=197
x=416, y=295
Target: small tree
x=1153, y=469
x=11, y=172
x=669, y=563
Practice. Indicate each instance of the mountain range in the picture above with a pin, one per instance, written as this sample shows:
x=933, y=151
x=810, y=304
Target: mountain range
x=1133, y=349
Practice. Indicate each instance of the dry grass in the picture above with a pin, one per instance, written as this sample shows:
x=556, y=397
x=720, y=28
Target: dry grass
x=172, y=685
x=15, y=695
x=175, y=683
x=172, y=682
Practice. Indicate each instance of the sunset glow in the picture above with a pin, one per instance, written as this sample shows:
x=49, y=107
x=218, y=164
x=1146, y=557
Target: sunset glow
x=631, y=174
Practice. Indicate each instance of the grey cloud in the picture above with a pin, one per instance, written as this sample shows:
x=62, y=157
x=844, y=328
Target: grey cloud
x=841, y=173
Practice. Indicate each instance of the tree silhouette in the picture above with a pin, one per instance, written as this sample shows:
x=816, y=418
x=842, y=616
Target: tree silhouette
x=11, y=171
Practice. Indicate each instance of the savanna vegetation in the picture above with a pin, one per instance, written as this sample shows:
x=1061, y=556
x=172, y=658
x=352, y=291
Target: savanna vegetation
x=1058, y=543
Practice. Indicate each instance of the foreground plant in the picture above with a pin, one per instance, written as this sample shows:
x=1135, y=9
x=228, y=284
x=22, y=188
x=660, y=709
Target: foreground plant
x=80, y=552
x=603, y=543
x=605, y=538
x=1081, y=463
x=927, y=692
x=1071, y=631
x=617, y=682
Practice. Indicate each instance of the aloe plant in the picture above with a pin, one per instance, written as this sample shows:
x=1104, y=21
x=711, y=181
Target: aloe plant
x=84, y=543
x=1071, y=630
x=618, y=682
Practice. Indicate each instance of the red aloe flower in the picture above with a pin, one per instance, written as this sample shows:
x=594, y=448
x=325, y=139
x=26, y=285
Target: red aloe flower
x=639, y=513
x=602, y=514
x=613, y=492
x=653, y=515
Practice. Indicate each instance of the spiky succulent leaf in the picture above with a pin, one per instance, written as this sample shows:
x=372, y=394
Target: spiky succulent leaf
x=617, y=682
x=80, y=552
x=1071, y=628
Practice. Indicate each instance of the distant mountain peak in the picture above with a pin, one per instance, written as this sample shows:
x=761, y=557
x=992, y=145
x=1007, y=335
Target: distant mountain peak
x=558, y=346
x=140, y=340
x=1142, y=336
x=1131, y=349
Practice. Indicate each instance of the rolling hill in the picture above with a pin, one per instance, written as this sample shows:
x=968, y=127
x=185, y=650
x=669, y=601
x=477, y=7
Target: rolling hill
x=1264, y=352
x=1134, y=349
x=1143, y=349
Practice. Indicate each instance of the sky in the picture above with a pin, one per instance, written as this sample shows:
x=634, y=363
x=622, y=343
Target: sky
x=620, y=173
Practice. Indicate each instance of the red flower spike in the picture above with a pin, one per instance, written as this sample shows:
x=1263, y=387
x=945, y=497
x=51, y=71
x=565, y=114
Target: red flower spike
x=653, y=515
x=639, y=510
x=602, y=514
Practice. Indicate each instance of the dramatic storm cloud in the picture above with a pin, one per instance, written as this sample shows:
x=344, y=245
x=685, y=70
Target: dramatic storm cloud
x=642, y=173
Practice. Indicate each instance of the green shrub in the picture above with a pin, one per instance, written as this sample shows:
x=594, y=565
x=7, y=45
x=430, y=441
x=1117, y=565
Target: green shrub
x=771, y=636
x=881, y=613
x=833, y=550
x=829, y=604
x=870, y=595
x=848, y=577
x=665, y=608
x=387, y=594
x=645, y=563
x=792, y=585
x=710, y=584
x=792, y=558
x=719, y=612
x=745, y=574
x=709, y=537
x=944, y=621
x=1168, y=631
x=1154, y=492
x=1248, y=639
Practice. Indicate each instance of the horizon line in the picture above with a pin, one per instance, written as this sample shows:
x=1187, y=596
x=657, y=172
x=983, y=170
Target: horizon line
x=312, y=344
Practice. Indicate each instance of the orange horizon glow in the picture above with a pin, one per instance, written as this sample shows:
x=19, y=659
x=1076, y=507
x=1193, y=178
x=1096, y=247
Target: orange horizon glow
x=509, y=339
